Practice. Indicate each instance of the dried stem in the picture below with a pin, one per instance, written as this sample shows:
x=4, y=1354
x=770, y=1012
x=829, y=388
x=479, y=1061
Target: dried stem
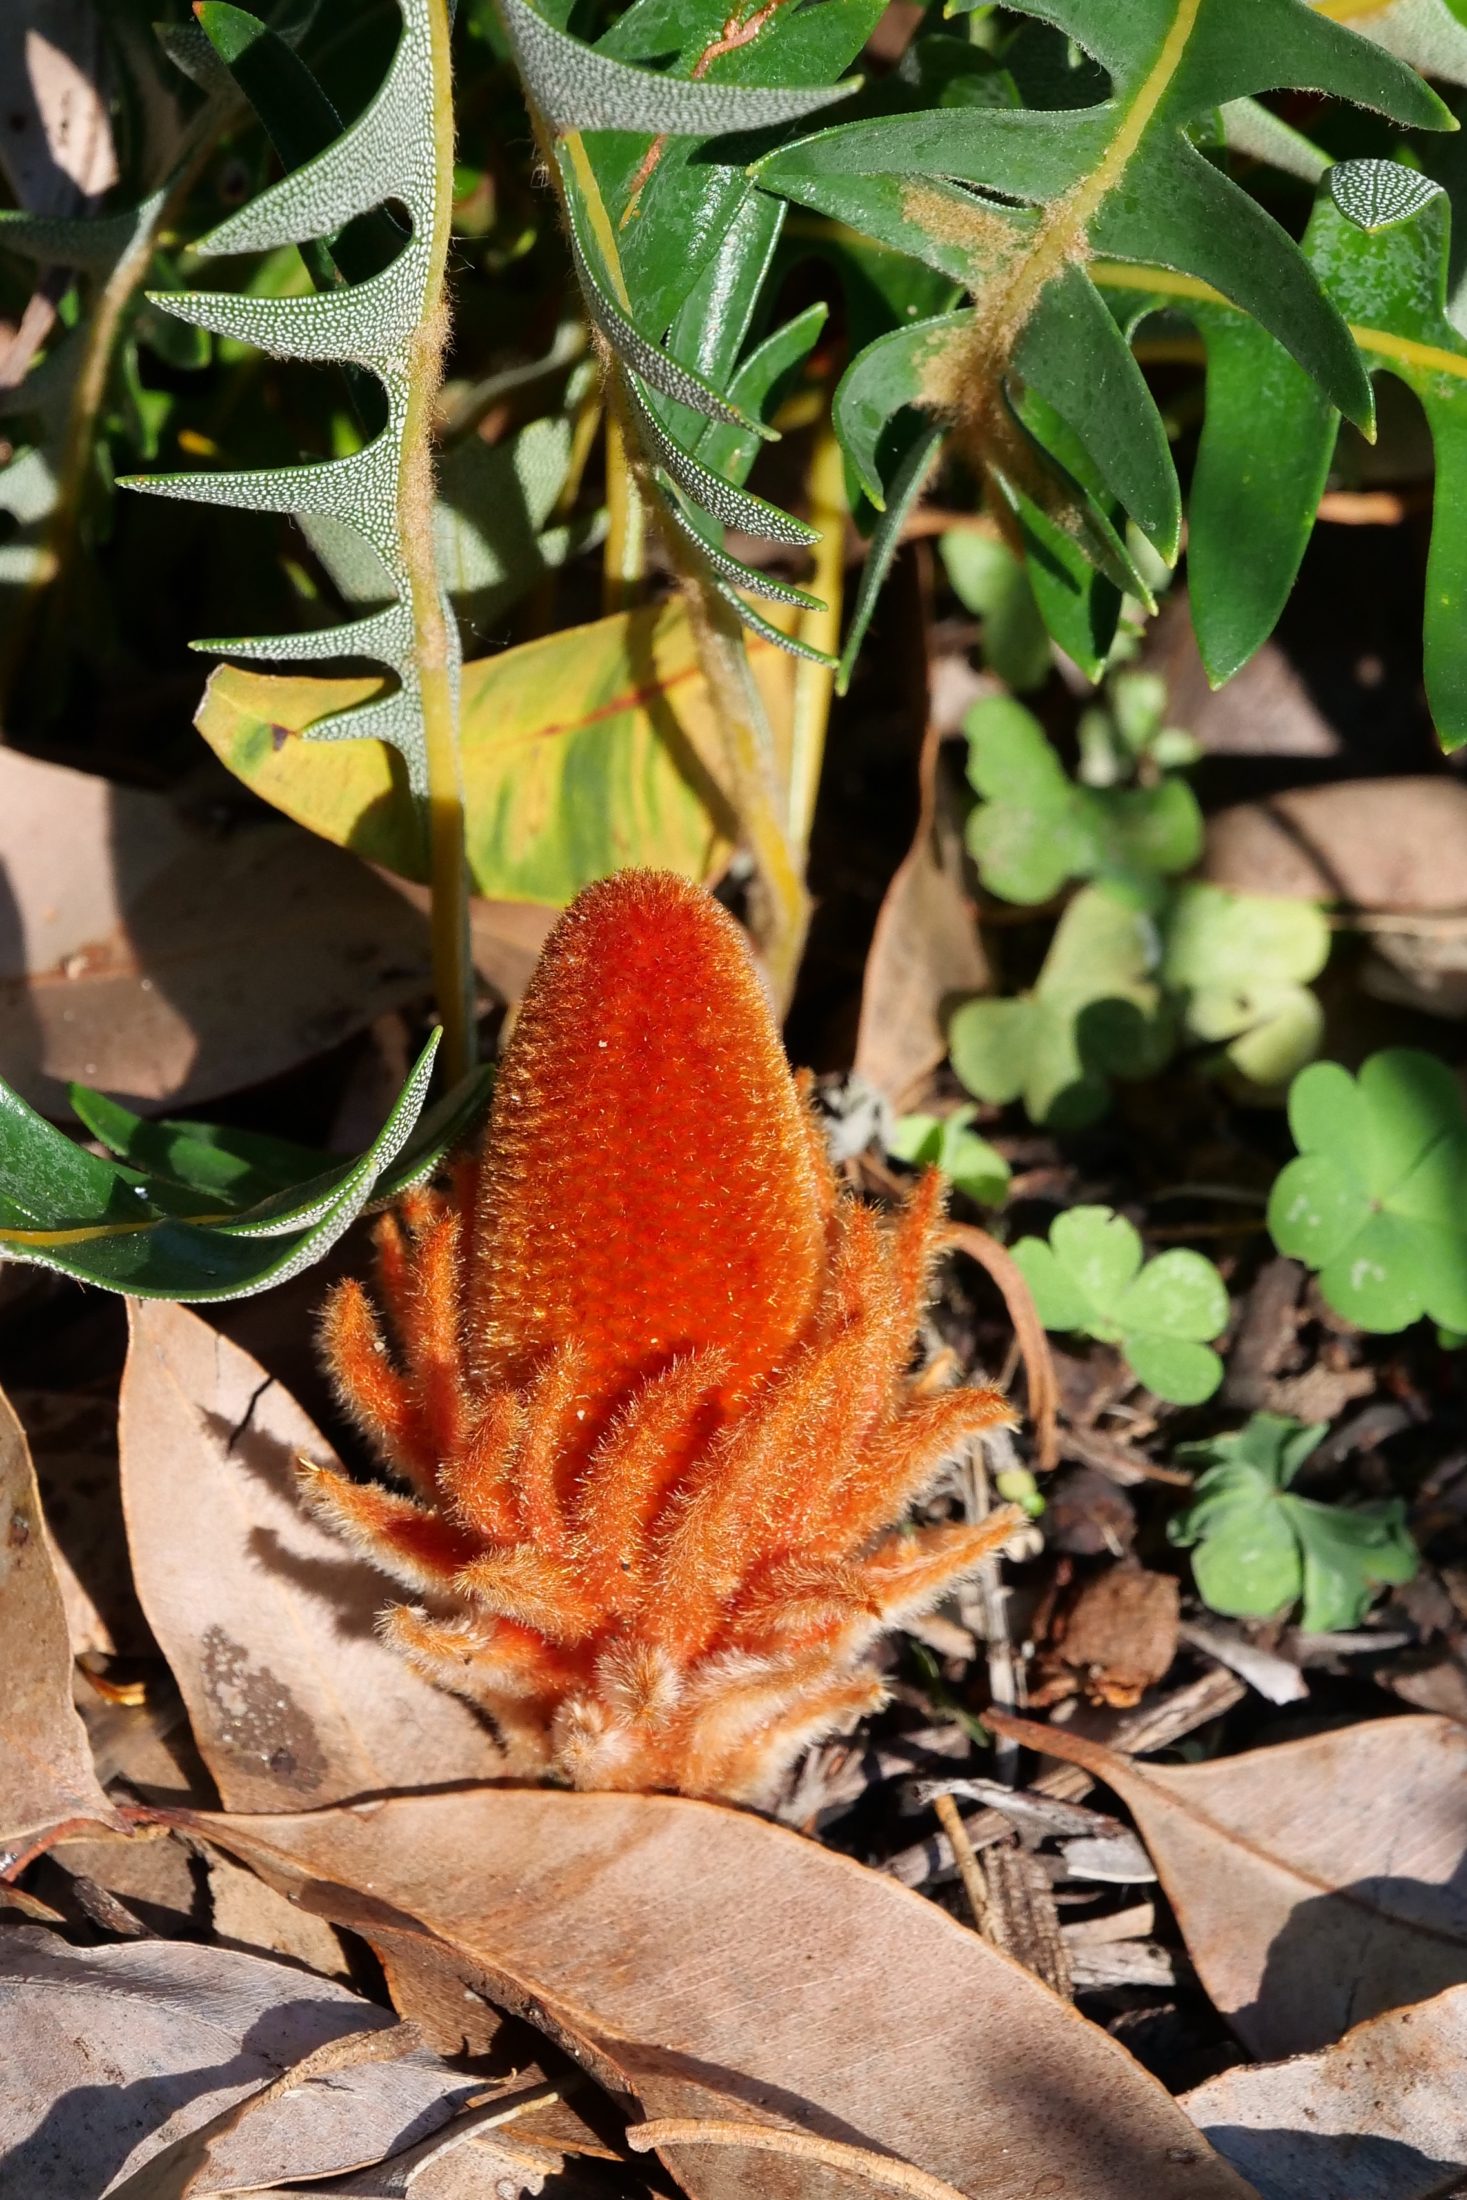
x=1033, y=1343
x=883, y=2170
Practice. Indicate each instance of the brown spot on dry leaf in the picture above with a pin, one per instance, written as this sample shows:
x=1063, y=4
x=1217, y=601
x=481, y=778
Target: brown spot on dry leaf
x=268, y=1623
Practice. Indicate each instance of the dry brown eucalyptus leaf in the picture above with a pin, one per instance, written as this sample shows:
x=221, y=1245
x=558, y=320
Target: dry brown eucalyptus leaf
x=46, y=1773
x=108, y=2056
x=713, y=1965
x=1398, y=844
x=268, y=1623
x=166, y=961
x=1316, y=1883
x=925, y=951
x=1382, y=2115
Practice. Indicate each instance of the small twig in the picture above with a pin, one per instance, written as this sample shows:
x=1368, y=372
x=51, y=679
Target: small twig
x=877, y=2169
x=1033, y=1343
x=970, y=1871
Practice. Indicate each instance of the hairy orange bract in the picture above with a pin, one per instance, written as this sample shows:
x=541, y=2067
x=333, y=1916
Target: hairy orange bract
x=648, y=1395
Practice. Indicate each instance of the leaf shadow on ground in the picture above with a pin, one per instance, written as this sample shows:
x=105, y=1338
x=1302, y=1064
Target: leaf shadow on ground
x=1380, y=1943
x=1281, y=2163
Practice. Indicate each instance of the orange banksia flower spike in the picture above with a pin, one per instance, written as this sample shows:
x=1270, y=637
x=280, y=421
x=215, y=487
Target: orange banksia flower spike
x=648, y=1388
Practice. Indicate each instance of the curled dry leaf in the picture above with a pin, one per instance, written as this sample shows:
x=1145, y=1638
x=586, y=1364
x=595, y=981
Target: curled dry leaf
x=1316, y=1883
x=926, y=952
x=712, y=1965
x=46, y=1772
x=111, y=2056
x=268, y=1624
x=1382, y=2115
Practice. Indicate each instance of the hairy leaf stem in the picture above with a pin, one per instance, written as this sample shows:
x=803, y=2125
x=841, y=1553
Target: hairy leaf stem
x=436, y=658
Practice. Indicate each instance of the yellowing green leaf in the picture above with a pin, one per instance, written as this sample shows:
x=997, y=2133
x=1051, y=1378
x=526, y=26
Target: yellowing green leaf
x=582, y=753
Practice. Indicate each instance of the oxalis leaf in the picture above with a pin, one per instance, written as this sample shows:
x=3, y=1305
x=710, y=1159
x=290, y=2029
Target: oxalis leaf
x=1096, y=1012
x=1122, y=179
x=1258, y=1548
x=949, y=1143
x=1089, y=1278
x=1239, y=967
x=389, y=153
x=1036, y=829
x=115, y=1225
x=1377, y=1199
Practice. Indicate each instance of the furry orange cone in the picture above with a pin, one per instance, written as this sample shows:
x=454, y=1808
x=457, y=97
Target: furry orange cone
x=648, y=1391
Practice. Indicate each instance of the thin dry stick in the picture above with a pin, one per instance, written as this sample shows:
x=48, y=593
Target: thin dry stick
x=1033, y=1343
x=970, y=1871
x=877, y=2169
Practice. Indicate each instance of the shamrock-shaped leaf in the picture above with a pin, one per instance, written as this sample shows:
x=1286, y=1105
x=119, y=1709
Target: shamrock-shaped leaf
x=992, y=583
x=1036, y=828
x=949, y=1142
x=1095, y=1013
x=1088, y=1277
x=1258, y=1548
x=1375, y=1200
x=1240, y=966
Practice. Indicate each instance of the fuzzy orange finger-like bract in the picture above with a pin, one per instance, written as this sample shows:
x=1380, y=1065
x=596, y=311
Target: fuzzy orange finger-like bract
x=650, y=1390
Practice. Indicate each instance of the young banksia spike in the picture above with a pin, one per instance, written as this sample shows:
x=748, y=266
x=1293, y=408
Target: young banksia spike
x=649, y=1387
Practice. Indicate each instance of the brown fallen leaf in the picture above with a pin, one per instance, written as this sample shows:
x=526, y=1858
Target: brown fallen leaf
x=110, y=2056
x=73, y=1441
x=1397, y=844
x=46, y=1773
x=1316, y=1883
x=167, y=962
x=268, y=1623
x=1382, y=2115
x=925, y=952
x=713, y=1965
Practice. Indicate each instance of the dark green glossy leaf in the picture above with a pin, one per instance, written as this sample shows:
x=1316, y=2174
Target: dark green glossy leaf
x=157, y=1235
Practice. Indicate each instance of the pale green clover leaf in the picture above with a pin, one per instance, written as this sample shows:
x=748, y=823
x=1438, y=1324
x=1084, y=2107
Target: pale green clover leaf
x=1377, y=1199
x=1036, y=828
x=1089, y=1277
x=1240, y=966
x=1257, y=1547
x=1095, y=1013
x=949, y=1143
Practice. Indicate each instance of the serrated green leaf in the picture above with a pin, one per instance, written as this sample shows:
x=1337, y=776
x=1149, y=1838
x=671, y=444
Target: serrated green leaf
x=108, y=1224
x=1120, y=178
x=239, y=1170
x=388, y=154
x=578, y=88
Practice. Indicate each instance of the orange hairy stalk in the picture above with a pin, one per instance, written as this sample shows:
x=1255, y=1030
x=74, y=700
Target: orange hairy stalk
x=648, y=1392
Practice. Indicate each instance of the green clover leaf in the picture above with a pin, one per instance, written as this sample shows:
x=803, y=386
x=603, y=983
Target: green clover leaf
x=1377, y=1200
x=1258, y=1548
x=1240, y=966
x=1095, y=1013
x=949, y=1143
x=1089, y=1277
x=1036, y=828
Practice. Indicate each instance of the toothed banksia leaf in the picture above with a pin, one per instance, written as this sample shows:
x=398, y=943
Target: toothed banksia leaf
x=649, y=1397
x=388, y=324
